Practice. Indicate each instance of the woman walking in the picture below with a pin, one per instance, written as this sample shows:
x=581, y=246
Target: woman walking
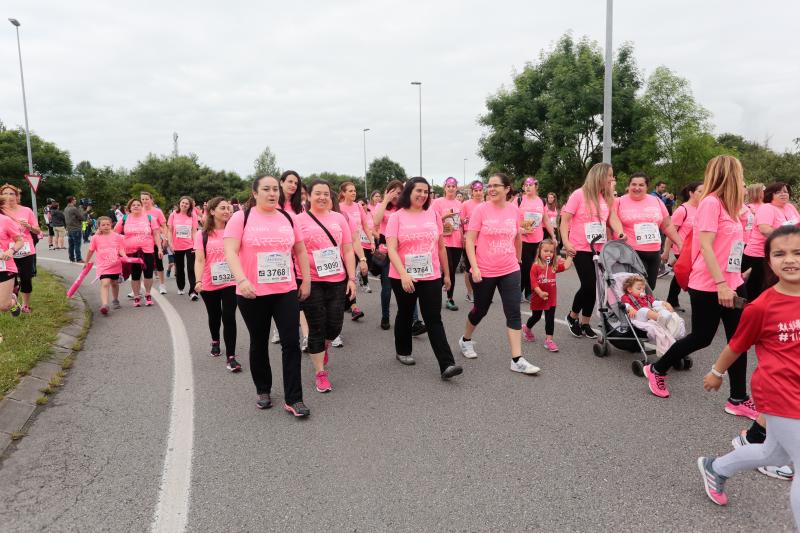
x=361, y=231
x=448, y=209
x=142, y=235
x=216, y=285
x=259, y=243
x=477, y=192
x=683, y=219
x=25, y=258
x=419, y=264
x=380, y=217
x=182, y=230
x=533, y=220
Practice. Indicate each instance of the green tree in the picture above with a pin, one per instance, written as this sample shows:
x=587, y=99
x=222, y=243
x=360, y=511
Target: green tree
x=49, y=160
x=381, y=171
x=336, y=180
x=266, y=164
x=105, y=186
x=137, y=188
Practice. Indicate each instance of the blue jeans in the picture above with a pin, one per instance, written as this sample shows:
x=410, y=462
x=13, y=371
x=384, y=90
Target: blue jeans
x=386, y=295
x=74, y=238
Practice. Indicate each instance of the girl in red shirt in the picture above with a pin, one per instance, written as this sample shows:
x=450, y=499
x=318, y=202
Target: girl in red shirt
x=543, y=292
x=772, y=324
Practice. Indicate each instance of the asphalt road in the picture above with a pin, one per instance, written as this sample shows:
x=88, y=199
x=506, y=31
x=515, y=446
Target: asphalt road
x=582, y=447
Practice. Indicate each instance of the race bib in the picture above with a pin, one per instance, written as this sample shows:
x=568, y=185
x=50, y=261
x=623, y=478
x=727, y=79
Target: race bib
x=735, y=257
x=274, y=267
x=791, y=222
x=220, y=273
x=23, y=252
x=455, y=220
x=553, y=221
x=328, y=261
x=750, y=219
x=534, y=219
x=362, y=234
x=646, y=233
x=183, y=231
x=3, y=266
x=594, y=230
x=419, y=265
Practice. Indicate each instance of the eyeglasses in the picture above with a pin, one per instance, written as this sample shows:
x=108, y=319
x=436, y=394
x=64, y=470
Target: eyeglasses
x=496, y=186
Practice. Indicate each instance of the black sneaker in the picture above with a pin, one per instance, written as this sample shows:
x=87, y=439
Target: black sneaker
x=385, y=323
x=418, y=328
x=264, y=401
x=588, y=331
x=574, y=326
x=194, y=297
x=215, y=352
x=452, y=371
x=297, y=409
x=233, y=365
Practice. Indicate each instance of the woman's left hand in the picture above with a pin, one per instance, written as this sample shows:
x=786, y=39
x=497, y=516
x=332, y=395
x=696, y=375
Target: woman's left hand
x=305, y=290
x=447, y=283
x=362, y=266
x=407, y=281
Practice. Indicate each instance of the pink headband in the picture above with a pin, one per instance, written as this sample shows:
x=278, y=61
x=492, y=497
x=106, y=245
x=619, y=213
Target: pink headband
x=477, y=187
x=451, y=181
x=531, y=181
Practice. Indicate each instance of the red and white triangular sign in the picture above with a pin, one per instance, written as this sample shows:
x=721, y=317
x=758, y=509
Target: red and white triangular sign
x=34, y=180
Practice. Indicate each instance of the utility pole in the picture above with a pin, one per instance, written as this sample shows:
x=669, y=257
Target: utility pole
x=15, y=22
x=175, y=144
x=607, y=83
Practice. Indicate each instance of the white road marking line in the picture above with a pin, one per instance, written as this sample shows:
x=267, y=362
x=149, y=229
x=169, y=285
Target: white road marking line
x=171, y=513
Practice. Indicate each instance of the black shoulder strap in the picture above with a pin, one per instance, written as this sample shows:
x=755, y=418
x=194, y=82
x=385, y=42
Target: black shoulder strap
x=205, y=241
x=328, y=233
x=287, y=215
x=124, y=218
x=247, y=215
x=519, y=201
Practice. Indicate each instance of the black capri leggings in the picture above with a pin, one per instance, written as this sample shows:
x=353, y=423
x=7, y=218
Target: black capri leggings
x=529, y=250
x=586, y=296
x=147, y=268
x=755, y=283
x=324, y=309
x=453, y=259
x=675, y=289
x=652, y=261
x=182, y=256
x=26, y=270
x=549, y=319
x=221, y=307
x=508, y=286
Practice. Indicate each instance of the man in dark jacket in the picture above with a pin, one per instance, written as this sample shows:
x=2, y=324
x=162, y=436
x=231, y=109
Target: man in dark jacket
x=74, y=217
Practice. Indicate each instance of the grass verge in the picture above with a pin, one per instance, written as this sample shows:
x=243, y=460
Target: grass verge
x=28, y=338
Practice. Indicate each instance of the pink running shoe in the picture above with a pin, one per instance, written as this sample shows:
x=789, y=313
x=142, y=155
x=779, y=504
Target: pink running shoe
x=527, y=334
x=26, y=309
x=137, y=302
x=550, y=345
x=323, y=384
x=746, y=409
x=103, y=309
x=713, y=482
x=656, y=382
x=148, y=301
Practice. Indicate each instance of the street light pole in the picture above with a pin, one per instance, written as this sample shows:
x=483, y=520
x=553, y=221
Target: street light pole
x=366, y=187
x=15, y=22
x=419, y=84
x=607, y=84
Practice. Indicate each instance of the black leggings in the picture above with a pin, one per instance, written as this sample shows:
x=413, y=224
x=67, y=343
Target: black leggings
x=182, y=256
x=706, y=315
x=549, y=320
x=429, y=294
x=453, y=259
x=529, y=250
x=755, y=283
x=221, y=307
x=26, y=270
x=586, y=296
x=675, y=290
x=324, y=309
x=257, y=314
x=652, y=262
x=508, y=286
x=147, y=268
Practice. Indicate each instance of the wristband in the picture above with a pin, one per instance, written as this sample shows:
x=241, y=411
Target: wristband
x=717, y=373
x=718, y=283
x=362, y=259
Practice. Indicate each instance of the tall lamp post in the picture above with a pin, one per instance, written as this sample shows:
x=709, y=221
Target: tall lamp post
x=15, y=22
x=366, y=187
x=607, y=84
x=419, y=84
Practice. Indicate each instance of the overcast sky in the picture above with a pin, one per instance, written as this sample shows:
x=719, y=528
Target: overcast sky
x=111, y=81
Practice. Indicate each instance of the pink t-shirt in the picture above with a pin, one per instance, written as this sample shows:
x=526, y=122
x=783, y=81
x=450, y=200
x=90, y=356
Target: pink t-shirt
x=265, y=250
x=156, y=214
x=106, y=248
x=417, y=243
x=386, y=214
x=138, y=232
x=357, y=218
x=495, y=252
x=443, y=206
x=9, y=230
x=749, y=220
x=683, y=219
x=325, y=260
x=770, y=215
x=532, y=212
x=181, y=227
x=641, y=221
x=552, y=214
x=728, y=245
x=466, y=211
x=215, y=262
x=585, y=221
x=23, y=213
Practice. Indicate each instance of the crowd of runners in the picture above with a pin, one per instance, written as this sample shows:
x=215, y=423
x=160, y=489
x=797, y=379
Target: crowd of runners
x=296, y=255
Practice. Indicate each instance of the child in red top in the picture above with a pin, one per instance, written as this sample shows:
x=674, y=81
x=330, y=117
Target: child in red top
x=772, y=324
x=110, y=248
x=543, y=295
x=643, y=307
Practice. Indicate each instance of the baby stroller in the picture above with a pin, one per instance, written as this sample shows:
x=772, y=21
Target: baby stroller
x=614, y=258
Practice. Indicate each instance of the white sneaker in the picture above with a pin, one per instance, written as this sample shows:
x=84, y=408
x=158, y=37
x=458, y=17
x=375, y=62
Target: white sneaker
x=303, y=344
x=180, y=292
x=467, y=348
x=276, y=338
x=524, y=367
x=162, y=289
x=778, y=472
x=130, y=295
x=469, y=298
x=337, y=342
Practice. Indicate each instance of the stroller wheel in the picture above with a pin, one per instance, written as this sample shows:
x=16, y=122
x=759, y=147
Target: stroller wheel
x=638, y=368
x=600, y=349
x=683, y=364
x=678, y=365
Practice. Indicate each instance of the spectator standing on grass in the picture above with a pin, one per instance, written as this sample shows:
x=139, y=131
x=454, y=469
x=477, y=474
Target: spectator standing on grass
x=58, y=225
x=74, y=216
